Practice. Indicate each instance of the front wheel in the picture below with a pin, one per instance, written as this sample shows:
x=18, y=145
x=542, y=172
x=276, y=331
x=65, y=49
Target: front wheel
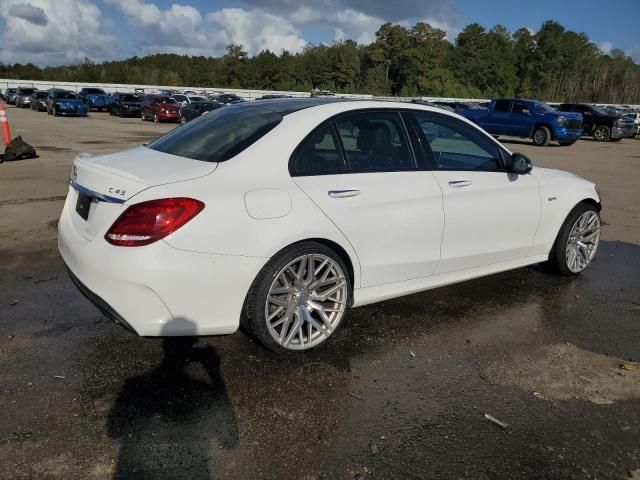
x=541, y=136
x=155, y=118
x=577, y=241
x=298, y=299
x=602, y=133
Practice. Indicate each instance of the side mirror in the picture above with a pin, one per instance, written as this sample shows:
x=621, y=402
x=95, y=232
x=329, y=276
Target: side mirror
x=520, y=163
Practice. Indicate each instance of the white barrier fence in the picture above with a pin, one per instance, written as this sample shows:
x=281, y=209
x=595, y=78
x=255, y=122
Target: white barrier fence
x=247, y=94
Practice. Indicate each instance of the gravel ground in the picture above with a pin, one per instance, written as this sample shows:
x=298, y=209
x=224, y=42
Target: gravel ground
x=402, y=392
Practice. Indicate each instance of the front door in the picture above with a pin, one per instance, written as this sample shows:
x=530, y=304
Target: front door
x=491, y=215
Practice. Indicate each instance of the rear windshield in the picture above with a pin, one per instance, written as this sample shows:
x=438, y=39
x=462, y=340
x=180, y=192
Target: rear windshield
x=219, y=135
x=129, y=98
x=94, y=91
x=27, y=91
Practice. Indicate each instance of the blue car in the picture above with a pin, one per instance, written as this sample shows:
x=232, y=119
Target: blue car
x=65, y=102
x=10, y=96
x=516, y=117
x=94, y=98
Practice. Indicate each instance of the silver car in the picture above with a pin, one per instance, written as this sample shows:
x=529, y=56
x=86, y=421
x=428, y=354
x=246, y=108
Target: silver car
x=23, y=96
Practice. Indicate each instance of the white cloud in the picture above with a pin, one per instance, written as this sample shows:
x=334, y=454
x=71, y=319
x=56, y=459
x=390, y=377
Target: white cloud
x=605, y=47
x=634, y=52
x=53, y=32
x=183, y=29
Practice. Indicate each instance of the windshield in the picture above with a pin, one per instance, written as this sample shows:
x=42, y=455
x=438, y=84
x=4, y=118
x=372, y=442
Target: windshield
x=27, y=91
x=600, y=111
x=41, y=94
x=219, y=135
x=542, y=107
x=197, y=99
x=94, y=91
x=67, y=95
x=129, y=98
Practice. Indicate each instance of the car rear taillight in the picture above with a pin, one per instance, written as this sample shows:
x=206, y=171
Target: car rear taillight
x=148, y=222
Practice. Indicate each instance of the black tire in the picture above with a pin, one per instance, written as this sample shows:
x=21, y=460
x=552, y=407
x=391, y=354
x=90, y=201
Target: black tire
x=253, y=321
x=602, y=133
x=54, y=112
x=566, y=144
x=142, y=116
x=541, y=136
x=183, y=120
x=156, y=119
x=557, y=262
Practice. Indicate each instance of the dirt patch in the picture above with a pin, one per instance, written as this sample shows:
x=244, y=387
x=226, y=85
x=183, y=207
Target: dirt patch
x=565, y=372
x=49, y=148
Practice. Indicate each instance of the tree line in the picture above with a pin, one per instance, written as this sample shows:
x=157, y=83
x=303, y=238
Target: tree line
x=552, y=64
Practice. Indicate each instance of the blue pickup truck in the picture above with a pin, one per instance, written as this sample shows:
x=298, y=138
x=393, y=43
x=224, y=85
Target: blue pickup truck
x=94, y=98
x=515, y=117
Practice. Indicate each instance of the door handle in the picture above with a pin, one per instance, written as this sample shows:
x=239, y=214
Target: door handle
x=459, y=183
x=343, y=193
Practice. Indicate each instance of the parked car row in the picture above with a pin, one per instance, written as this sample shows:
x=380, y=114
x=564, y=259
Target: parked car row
x=168, y=106
x=517, y=117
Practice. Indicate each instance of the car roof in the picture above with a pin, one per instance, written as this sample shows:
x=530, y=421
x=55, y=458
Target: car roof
x=335, y=105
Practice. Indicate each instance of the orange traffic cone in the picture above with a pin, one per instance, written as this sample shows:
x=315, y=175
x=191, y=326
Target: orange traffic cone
x=4, y=124
x=16, y=149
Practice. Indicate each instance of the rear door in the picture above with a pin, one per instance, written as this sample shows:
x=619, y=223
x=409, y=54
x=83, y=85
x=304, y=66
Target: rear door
x=361, y=172
x=491, y=215
x=498, y=119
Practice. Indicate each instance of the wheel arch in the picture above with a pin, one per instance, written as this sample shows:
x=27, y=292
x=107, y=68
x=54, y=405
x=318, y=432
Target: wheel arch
x=336, y=247
x=541, y=124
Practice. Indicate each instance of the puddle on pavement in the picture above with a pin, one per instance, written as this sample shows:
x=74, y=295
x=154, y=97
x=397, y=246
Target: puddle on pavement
x=565, y=372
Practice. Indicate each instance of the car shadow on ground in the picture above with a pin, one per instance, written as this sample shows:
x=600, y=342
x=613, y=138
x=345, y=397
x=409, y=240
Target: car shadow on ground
x=168, y=420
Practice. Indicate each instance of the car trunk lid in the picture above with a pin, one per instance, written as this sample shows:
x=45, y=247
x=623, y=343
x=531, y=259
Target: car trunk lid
x=101, y=185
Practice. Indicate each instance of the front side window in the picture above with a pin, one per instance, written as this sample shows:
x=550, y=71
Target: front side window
x=519, y=106
x=220, y=135
x=319, y=154
x=374, y=142
x=457, y=146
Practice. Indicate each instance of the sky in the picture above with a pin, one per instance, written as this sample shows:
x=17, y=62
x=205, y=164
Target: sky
x=61, y=32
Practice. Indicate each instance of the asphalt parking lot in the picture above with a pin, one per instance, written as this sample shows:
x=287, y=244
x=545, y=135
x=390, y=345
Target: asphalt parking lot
x=402, y=392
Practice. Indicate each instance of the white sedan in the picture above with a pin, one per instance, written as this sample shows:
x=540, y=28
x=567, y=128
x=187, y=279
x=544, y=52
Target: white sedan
x=278, y=215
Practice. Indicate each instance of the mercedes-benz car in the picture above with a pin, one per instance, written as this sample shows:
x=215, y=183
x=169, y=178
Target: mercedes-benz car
x=280, y=215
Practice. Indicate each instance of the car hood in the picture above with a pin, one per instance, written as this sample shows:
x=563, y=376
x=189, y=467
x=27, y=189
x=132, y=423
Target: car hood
x=574, y=115
x=70, y=101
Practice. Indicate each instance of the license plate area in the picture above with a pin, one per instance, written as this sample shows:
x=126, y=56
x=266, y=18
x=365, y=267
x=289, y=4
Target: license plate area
x=83, y=205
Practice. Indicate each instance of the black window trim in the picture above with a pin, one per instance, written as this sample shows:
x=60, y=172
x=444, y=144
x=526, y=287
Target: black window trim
x=503, y=156
x=345, y=160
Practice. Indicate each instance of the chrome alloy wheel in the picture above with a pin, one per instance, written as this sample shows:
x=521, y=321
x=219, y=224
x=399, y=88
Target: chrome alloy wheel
x=306, y=301
x=583, y=241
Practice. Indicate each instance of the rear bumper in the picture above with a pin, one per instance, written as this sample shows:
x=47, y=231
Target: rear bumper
x=168, y=116
x=158, y=290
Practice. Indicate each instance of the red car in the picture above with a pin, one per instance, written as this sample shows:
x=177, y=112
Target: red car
x=160, y=108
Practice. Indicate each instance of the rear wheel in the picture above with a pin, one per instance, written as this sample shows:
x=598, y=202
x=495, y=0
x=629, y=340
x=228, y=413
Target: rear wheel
x=577, y=241
x=142, y=117
x=298, y=299
x=183, y=120
x=155, y=118
x=602, y=133
x=541, y=136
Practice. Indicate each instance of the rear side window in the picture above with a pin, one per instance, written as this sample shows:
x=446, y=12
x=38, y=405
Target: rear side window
x=219, y=135
x=374, y=142
x=501, y=105
x=519, y=106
